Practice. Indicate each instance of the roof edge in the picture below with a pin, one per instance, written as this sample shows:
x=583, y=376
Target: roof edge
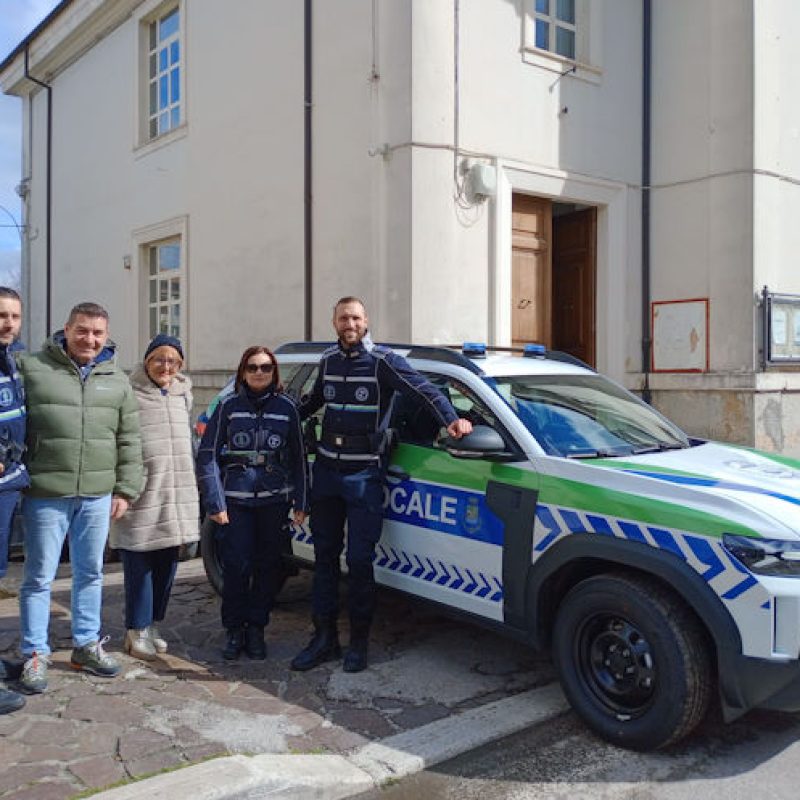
x=9, y=59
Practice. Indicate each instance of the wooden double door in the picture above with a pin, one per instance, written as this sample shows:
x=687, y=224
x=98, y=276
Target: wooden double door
x=553, y=276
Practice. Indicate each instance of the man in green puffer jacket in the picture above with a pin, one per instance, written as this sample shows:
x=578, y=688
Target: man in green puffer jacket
x=85, y=464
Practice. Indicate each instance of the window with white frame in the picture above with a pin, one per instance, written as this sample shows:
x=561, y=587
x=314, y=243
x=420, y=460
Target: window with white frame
x=165, y=288
x=554, y=27
x=164, y=72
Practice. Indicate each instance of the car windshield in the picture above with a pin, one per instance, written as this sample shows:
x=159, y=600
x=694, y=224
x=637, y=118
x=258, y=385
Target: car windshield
x=587, y=416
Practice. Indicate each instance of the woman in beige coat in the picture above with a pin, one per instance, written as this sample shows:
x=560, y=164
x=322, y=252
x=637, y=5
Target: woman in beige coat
x=165, y=516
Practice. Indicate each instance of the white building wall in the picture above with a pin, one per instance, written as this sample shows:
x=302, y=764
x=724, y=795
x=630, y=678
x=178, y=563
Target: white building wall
x=235, y=176
x=702, y=205
x=241, y=180
x=777, y=146
x=511, y=114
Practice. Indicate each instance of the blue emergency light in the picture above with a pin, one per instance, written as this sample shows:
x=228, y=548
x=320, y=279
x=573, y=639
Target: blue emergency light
x=534, y=351
x=474, y=349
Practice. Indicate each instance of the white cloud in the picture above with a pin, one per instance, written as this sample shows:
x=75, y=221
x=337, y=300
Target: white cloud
x=9, y=268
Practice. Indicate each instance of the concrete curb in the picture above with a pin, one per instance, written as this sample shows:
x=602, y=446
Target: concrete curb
x=331, y=777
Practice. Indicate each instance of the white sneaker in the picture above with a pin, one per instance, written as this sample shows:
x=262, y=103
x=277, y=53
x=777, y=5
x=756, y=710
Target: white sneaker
x=159, y=642
x=138, y=644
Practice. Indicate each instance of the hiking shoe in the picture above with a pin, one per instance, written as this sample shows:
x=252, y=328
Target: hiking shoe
x=34, y=674
x=159, y=642
x=139, y=644
x=93, y=659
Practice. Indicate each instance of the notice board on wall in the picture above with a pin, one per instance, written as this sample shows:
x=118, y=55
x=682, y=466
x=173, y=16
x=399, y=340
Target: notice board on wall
x=679, y=330
x=783, y=328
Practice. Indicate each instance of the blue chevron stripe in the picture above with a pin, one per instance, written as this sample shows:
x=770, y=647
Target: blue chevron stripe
x=554, y=521
x=443, y=574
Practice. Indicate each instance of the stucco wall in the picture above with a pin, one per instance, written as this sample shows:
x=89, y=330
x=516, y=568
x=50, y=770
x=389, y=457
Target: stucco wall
x=512, y=112
x=702, y=206
x=777, y=146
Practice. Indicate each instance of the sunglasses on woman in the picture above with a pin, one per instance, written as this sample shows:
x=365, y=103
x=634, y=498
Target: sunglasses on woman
x=266, y=368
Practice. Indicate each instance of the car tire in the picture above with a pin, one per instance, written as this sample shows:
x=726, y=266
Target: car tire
x=633, y=660
x=209, y=549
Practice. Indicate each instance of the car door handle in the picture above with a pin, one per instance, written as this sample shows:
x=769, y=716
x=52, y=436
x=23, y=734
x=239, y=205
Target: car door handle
x=399, y=473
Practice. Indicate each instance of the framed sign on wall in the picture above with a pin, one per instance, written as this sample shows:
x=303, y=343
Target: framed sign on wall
x=781, y=328
x=680, y=335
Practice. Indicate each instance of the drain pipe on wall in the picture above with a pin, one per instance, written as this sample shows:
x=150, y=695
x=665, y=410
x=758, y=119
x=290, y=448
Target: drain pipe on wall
x=308, y=239
x=49, y=192
x=647, y=333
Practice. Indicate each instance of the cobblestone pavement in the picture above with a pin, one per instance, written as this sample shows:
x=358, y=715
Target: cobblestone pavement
x=86, y=732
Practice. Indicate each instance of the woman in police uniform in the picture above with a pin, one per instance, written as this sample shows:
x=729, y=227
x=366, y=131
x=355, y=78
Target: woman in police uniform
x=252, y=471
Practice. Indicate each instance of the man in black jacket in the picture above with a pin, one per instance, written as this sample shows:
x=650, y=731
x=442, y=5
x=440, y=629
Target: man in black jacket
x=13, y=475
x=356, y=382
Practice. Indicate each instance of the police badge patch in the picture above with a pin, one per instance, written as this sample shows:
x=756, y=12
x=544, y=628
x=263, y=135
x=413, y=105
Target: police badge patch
x=240, y=440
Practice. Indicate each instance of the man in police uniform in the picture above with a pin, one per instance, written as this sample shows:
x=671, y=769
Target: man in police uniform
x=356, y=382
x=13, y=475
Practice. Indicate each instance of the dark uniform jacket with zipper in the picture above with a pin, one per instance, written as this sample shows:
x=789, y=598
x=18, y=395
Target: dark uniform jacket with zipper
x=356, y=386
x=252, y=453
x=12, y=420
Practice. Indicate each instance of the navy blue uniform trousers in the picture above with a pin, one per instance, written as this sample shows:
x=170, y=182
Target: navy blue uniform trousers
x=357, y=499
x=8, y=503
x=250, y=552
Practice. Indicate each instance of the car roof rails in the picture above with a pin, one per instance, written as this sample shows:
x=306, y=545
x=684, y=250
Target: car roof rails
x=568, y=358
x=292, y=348
x=447, y=354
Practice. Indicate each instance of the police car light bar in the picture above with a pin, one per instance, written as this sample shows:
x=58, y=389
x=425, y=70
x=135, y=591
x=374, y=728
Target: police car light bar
x=534, y=351
x=474, y=349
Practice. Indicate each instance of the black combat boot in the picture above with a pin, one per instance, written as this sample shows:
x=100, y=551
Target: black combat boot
x=324, y=646
x=10, y=701
x=355, y=658
x=234, y=644
x=254, y=644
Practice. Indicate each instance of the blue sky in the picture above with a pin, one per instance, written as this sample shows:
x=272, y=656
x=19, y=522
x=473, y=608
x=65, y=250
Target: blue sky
x=17, y=19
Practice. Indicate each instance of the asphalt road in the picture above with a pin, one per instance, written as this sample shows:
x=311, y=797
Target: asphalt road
x=753, y=758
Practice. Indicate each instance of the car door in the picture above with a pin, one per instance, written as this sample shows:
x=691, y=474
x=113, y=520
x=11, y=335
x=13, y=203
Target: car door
x=441, y=540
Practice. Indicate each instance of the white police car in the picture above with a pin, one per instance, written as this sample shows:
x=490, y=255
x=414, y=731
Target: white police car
x=663, y=572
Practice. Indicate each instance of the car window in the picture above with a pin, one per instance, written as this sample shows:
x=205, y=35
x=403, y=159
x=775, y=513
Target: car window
x=415, y=423
x=294, y=376
x=584, y=416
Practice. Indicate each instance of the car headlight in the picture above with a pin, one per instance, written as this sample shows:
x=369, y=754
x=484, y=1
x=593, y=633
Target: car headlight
x=777, y=557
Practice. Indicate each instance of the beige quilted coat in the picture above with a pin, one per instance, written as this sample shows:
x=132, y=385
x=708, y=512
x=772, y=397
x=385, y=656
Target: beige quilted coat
x=166, y=513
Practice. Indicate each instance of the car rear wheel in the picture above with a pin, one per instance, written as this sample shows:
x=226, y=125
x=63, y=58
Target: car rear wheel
x=633, y=660
x=209, y=549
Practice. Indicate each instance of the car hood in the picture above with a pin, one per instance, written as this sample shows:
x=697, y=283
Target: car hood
x=755, y=489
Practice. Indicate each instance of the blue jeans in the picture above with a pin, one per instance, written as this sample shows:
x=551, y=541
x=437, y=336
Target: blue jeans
x=8, y=504
x=47, y=521
x=357, y=499
x=148, y=582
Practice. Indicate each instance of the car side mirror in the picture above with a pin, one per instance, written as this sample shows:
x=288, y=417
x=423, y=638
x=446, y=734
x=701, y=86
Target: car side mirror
x=483, y=442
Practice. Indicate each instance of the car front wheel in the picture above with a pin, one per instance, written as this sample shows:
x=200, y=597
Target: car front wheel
x=632, y=660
